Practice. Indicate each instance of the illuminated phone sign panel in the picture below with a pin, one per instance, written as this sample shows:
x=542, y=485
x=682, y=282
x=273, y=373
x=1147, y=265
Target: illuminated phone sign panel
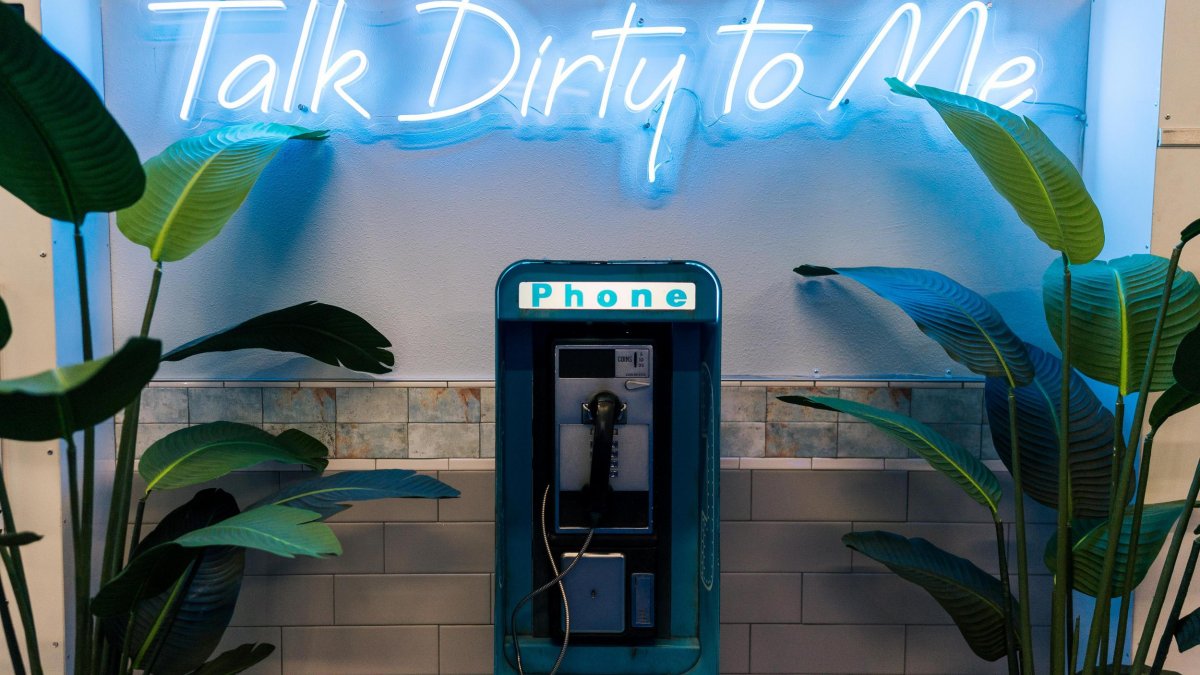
x=440, y=72
x=600, y=295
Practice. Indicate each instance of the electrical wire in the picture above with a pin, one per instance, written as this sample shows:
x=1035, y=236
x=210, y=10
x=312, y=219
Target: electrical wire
x=544, y=587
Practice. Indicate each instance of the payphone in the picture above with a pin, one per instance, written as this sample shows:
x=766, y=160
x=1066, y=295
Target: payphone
x=607, y=468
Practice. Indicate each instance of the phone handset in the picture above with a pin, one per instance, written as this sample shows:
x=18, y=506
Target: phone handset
x=604, y=409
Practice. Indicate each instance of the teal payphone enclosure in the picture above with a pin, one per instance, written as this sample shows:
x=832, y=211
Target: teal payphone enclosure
x=607, y=467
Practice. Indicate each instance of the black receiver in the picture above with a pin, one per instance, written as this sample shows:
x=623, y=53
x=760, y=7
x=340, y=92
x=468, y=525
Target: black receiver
x=604, y=409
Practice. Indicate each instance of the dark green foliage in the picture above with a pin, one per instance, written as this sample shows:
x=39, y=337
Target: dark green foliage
x=325, y=495
x=63, y=154
x=972, y=597
x=1090, y=434
x=323, y=332
x=966, y=325
x=1092, y=542
x=236, y=660
x=56, y=403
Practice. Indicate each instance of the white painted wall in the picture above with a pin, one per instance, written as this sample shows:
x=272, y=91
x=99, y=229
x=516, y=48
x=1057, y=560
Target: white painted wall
x=414, y=239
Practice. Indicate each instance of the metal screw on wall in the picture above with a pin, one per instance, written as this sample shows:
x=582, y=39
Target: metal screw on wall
x=42, y=254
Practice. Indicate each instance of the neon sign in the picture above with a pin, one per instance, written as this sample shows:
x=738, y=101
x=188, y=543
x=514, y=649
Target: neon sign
x=488, y=76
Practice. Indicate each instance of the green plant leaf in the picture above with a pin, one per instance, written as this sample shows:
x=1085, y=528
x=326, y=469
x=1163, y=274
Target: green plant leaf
x=205, y=600
x=1090, y=433
x=1091, y=543
x=202, y=453
x=19, y=538
x=1025, y=167
x=55, y=403
x=1114, y=306
x=323, y=332
x=972, y=597
x=1189, y=233
x=1186, y=367
x=966, y=325
x=157, y=562
x=236, y=660
x=149, y=573
x=63, y=153
x=1187, y=632
x=1173, y=401
x=196, y=184
x=281, y=530
x=201, y=612
x=943, y=454
x=326, y=495
x=5, y=325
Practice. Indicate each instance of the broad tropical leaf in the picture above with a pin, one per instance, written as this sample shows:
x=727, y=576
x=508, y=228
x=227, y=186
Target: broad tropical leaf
x=326, y=333
x=148, y=573
x=196, y=184
x=1114, y=306
x=943, y=454
x=63, y=153
x=19, y=538
x=1090, y=432
x=236, y=660
x=1025, y=167
x=1173, y=401
x=1092, y=542
x=1186, y=367
x=1187, y=633
x=972, y=597
x=204, y=599
x=55, y=403
x=281, y=530
x=326, y=495
x=966, y=325
x=202, y=453
x=157, y=562
x=5, y=325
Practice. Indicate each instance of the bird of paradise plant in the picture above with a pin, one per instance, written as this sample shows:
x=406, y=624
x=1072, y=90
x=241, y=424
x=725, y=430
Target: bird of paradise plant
x=1130, y=323
x=164, y=602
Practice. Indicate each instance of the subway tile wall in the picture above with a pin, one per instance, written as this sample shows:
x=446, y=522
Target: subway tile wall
x=412, y=591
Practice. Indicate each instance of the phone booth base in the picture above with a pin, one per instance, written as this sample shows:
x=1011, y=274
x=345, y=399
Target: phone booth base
x=607, y=467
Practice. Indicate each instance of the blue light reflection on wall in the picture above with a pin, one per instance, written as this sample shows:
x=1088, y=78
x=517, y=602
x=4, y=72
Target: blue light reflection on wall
x=411, y=228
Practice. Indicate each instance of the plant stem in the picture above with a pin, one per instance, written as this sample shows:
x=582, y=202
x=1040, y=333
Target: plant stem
x=137, y=522
x=1062, y=583
x=1027, y=666
x=1073, y=655
x=81, y=571
x=1118, y=455
x=10, y=632
x=1168, y=569
x=16, y=576
x=85, y=509
x=118, y=512
x=1164, y=644
x=1117, y=517
x=1139, y=504
x=1009, y=624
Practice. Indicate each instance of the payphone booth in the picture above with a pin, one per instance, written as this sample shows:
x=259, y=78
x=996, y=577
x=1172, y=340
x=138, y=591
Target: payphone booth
x=607, y=467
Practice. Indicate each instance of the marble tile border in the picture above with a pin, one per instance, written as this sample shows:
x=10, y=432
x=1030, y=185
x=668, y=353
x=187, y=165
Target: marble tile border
x=746, y=457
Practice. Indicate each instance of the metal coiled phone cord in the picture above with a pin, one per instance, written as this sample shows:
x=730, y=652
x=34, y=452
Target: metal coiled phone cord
x=542, y=589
